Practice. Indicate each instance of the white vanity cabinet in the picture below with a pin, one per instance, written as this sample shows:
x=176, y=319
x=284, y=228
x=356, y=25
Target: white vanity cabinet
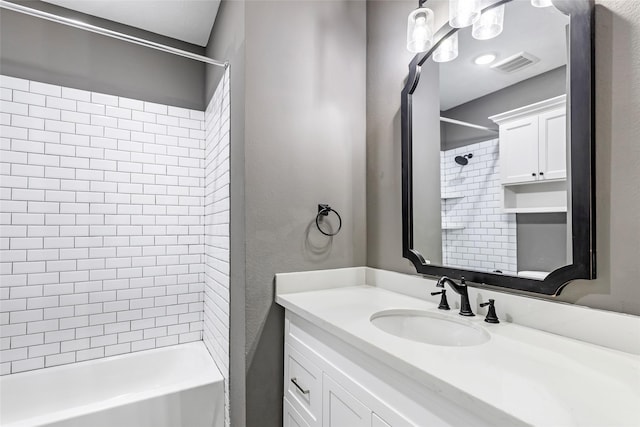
x=316, y=396
x=341, y=408
x=328, y=383
x=292, y=418
x=360, y=374
x=376, y=421
x=533, y=142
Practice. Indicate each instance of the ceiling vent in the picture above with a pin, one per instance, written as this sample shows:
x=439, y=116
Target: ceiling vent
x=515, y=63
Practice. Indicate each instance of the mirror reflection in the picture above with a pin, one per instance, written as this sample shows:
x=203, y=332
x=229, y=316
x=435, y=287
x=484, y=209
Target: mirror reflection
x=490, y=163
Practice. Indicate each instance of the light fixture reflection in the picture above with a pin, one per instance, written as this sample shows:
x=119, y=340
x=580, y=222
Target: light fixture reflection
x=541, y=3
x=448, y=49
x=489, y=25
x=420, y=30
x=485, y=59
x=463, y=13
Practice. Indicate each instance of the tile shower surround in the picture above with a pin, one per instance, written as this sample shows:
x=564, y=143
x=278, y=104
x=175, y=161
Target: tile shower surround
x=488, y=240
x=102, y=225
x=216, y=231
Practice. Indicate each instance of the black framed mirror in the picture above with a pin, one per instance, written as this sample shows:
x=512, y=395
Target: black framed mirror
x=498, y=150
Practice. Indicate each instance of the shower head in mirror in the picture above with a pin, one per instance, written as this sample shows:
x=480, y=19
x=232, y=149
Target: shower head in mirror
x=463, y=160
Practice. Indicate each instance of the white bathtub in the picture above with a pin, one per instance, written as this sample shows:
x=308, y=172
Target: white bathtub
x=167, y=387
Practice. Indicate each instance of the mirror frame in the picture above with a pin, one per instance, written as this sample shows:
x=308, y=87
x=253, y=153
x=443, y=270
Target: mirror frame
x=582, y=132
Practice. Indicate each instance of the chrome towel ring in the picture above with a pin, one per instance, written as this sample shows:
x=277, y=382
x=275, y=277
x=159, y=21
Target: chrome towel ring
x=324, y=210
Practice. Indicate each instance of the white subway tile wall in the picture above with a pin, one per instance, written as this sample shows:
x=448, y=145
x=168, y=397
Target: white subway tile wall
x=216, y=221
x=479, y=235
x=101, y=225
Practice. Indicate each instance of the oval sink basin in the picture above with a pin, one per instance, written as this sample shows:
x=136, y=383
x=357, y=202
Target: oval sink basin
x=429, y=328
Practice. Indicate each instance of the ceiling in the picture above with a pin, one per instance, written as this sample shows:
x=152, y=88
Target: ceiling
x=538, y=31
x=187, y=20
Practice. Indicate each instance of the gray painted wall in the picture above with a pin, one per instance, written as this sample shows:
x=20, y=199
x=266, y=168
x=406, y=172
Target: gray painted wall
x=297, y=139
x=227, y=42
x=617, y=161
x=387, y=68
x=542, y=241
x=617, y=151
x=304, y=145
x=536, y=89
x=35, y=49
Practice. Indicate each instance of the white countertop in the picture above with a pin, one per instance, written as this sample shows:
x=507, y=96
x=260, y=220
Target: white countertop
x=538, y=377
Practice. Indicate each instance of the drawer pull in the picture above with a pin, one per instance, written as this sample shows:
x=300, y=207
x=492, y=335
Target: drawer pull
x=295, y=383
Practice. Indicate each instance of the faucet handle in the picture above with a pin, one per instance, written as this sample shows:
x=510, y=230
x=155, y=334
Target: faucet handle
x=491, y=313
x=444, y=304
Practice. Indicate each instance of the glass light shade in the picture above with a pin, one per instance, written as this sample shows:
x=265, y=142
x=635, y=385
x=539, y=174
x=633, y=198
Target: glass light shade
x=463, y=13
x=541, y=3
x=489, y=25
x=448, y=49
x=420, y=30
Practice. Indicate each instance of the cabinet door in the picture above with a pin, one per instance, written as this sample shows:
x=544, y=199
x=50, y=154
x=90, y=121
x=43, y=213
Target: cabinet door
x=553, y=144
x=340, y=408
x=519, y=151
x=376, y=421
x=291, y=417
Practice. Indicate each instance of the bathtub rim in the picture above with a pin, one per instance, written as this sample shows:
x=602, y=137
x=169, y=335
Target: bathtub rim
x=210, y=377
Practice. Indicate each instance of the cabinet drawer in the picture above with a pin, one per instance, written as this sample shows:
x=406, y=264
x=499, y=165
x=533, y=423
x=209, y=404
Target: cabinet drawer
x=303, y=385
x=291, y=417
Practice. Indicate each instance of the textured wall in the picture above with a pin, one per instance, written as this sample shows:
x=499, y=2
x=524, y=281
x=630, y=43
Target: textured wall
x=216, y=231
x=304, y=145
x=36, y=49
x=387, y=68
x=542, y=241
x=617, y=161
x=297, y=139
x=101, y=225
x=617, y=67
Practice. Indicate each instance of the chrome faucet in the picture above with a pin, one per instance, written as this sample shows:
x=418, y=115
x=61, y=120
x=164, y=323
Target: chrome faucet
x=461, y=289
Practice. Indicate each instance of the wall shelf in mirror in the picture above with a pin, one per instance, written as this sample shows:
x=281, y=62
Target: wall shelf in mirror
x=453, y=226
x=535, y=197
x=449, y=196
x=548, y=107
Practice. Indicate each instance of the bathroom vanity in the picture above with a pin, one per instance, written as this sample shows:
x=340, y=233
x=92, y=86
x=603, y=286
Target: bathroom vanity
x=366, y=347
x=544, y=364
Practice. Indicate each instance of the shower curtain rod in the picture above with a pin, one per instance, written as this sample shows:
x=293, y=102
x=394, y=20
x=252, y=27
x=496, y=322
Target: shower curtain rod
x=469, y=125
x=109, y=33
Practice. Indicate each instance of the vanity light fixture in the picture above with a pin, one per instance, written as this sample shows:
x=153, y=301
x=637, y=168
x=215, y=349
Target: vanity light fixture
x=448, y=49
x=420, y=29
x=463, y=13
x=541, y=3
x=485, y=59
x=490, y=24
